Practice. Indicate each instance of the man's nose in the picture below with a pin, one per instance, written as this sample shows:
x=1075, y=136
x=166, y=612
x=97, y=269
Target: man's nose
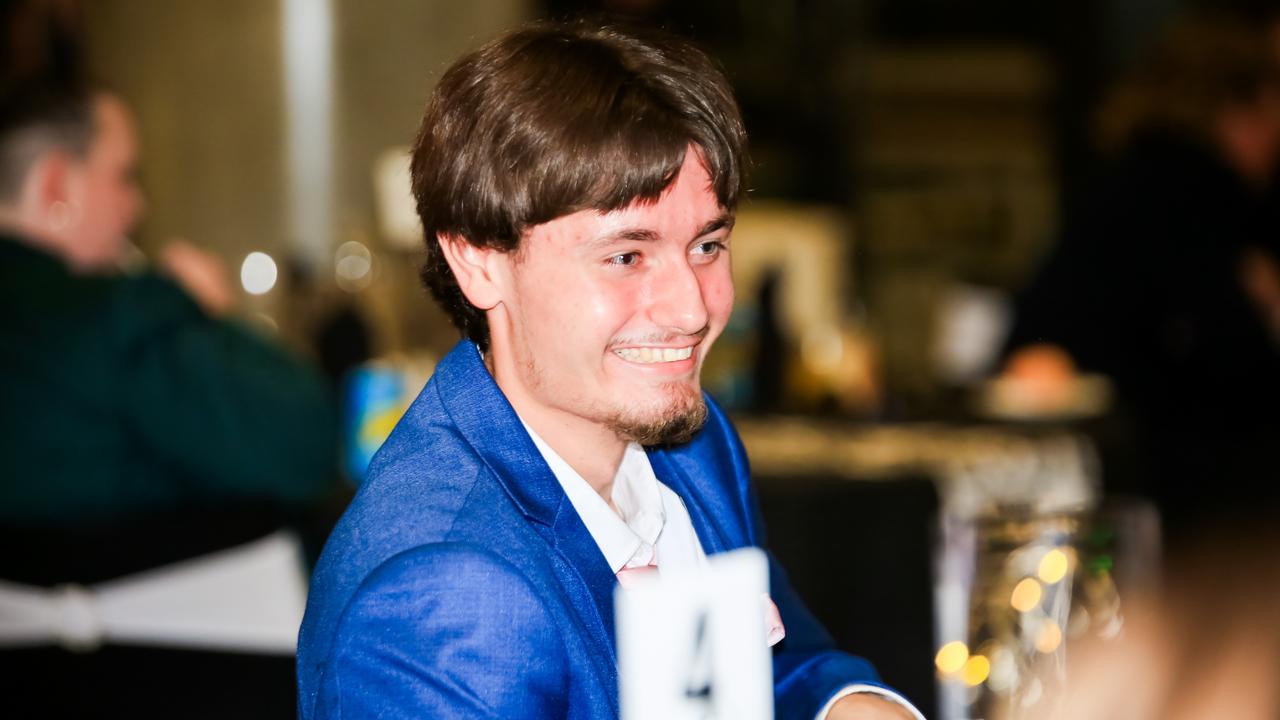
x=678, y=304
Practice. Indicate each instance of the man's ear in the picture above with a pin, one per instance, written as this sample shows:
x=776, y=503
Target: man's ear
x=49, y=181
x=475, y=269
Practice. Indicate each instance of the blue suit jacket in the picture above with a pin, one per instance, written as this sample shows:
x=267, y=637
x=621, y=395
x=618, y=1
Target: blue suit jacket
x=461, y=583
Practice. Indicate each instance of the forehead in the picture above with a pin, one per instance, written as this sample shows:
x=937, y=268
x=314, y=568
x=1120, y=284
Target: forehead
x=684, y=207
x=113, y=127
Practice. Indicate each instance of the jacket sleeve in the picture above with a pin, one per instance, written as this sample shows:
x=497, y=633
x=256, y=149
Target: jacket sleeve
x=445, y=631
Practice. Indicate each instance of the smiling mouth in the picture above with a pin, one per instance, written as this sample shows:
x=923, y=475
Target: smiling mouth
x=652, y=355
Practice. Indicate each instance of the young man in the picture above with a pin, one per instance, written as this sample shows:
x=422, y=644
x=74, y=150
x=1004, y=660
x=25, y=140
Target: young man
x=577, y=187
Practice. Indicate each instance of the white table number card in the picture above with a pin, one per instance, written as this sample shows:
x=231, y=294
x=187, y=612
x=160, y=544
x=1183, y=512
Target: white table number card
x=694, y=647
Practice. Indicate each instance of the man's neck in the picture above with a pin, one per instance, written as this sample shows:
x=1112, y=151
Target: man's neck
x=594, y=451
x=12, y=225
x=15, y=226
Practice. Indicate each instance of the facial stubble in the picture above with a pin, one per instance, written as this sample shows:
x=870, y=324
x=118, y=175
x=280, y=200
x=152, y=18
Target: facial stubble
x=674, y=424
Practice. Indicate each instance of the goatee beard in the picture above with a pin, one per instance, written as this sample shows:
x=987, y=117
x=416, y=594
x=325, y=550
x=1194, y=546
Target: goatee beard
x=675, y=426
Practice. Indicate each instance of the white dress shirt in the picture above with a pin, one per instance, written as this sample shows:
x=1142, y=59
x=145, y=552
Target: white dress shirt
x=651, y=521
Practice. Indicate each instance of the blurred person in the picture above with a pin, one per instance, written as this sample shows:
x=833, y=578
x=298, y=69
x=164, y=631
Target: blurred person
x=139, y=427
x=141, y=431
x=128, y=394
x=1166, y=279
x=577, y=186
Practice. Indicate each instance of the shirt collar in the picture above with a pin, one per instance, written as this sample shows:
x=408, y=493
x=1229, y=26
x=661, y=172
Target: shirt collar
x=627, y=540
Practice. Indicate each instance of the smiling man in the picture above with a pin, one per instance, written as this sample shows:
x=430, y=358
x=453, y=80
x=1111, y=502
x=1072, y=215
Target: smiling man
x=577, y=186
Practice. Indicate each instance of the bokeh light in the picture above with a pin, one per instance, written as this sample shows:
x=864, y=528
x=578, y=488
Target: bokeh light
x=353, y=266
x=1004, y=669
x=1053, y=566
x=951, y=657
x=1026, y=595
x=258, y=273
x=976, y=669
x=1049, y=637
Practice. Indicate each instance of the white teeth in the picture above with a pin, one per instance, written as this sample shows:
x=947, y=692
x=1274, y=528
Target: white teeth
x=654, y=355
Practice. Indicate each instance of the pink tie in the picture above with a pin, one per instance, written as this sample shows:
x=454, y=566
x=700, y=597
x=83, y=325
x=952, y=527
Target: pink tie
x=627, y=576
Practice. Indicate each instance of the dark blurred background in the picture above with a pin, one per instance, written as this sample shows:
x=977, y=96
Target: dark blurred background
x=934, y=189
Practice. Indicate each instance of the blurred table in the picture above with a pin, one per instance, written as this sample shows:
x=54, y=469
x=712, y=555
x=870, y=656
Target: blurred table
x=856, y=513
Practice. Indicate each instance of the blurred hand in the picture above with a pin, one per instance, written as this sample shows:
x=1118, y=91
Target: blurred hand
x=201, y=274
x=868, y=706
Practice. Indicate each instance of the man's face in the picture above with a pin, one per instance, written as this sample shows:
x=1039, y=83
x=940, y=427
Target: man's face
x=607, y=317
x=104, y=190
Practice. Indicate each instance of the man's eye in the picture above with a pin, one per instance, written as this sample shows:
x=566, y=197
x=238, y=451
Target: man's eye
x=630, y=258
x=710, y=247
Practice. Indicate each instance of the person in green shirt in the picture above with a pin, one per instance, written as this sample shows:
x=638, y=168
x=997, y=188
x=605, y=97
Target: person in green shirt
x=129, y=394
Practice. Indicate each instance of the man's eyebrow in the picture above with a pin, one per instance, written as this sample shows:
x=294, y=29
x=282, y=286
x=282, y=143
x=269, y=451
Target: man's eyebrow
x=644, y=235
x=724, y=220
x=625, y=235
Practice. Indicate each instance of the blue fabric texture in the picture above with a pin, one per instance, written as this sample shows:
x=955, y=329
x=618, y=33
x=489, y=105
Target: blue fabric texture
x=461, y=583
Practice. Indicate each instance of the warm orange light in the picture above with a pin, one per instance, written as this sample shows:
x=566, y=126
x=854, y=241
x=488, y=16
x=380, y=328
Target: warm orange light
x=951, y=657
x=1026, y=595
x=976, y=670
x=1050, y=637
x=1053, y=566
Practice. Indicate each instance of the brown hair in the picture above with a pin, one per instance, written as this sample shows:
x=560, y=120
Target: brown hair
x=48, y=123
x=46, y=102
x=556, y=118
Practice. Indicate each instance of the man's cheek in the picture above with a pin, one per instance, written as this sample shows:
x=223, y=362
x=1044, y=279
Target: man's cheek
x=719, y=299
x=603, y=311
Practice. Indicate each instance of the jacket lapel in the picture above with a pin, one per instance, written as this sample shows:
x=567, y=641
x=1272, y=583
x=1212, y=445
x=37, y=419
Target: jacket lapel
x=710, y=532
x=490, y=425
x=574, y=544
x=706, y=474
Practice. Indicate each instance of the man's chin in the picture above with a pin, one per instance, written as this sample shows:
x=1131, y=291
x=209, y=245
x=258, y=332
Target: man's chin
x=674, y=424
